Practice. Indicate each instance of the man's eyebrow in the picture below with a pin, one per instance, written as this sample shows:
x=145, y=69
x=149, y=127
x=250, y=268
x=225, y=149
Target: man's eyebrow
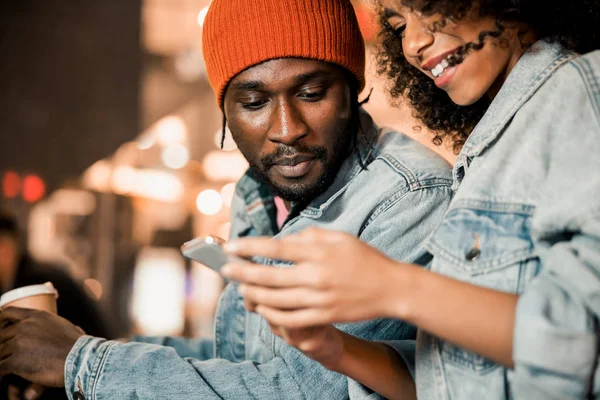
x=309, y=76
x=249, y=85
x=389, y=13
x=298, y=80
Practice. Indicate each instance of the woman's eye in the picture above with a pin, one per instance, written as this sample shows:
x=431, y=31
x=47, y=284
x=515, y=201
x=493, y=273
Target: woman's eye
x=399, y=30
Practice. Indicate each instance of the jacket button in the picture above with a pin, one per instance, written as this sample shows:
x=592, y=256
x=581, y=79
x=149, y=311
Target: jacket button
x=473, y=254
x=78, y=396
x=475, y=251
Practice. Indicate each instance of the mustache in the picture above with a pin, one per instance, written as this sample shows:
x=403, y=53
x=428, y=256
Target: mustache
x=282, y=152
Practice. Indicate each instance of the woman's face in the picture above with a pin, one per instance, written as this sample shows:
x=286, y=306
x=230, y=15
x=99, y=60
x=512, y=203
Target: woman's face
x=428, y=41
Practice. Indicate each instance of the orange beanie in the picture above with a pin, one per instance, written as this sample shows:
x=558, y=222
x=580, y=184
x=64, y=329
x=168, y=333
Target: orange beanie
x=239, y=34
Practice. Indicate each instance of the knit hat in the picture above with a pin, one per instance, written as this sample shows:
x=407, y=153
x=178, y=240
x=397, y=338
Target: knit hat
x=239, y=34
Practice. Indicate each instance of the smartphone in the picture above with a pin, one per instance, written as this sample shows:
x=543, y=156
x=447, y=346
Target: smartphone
x=208, y=250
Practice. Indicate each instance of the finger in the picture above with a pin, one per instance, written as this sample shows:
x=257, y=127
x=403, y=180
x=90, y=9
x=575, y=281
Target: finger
x=14, y=393
x=286, y=299
x=276, y=330
x=14, y=314
x=250, y=306
x=7, y=367
x=8, y=333
x=6, y=350
x=294, y=319
x=267, y=276
x=34, y=392
x=291, y=248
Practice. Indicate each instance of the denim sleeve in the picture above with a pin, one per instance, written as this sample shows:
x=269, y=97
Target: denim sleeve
x=556, y=330
x=199, y=348
x=102, y=370
x=411, y=219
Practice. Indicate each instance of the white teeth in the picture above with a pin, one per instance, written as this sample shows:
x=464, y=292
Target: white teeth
x=439, y=69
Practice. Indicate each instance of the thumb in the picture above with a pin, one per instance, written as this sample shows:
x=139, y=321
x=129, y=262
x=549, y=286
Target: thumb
x=34, y=392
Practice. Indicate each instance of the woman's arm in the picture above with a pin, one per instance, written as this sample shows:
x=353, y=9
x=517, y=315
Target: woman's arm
x=345, y=280
x=474, y=318
x=378, y=367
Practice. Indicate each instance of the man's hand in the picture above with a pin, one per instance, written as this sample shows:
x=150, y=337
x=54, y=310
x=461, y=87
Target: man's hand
x=35, y=345
x=32, y=392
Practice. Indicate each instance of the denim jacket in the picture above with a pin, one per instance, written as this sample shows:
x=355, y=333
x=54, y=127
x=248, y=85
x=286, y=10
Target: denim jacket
x=393, y=205
x=525, y=219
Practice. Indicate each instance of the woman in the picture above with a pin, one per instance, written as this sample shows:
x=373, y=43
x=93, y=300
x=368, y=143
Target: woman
x=510, y=305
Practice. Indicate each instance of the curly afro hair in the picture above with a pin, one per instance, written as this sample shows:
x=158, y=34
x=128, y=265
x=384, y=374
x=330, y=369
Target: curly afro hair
x=574, y=24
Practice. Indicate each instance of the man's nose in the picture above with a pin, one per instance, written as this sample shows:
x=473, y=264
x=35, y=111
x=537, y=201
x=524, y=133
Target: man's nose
x=288, y=124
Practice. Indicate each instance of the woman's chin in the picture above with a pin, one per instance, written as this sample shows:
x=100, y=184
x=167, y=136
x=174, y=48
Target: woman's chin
x=465, y=98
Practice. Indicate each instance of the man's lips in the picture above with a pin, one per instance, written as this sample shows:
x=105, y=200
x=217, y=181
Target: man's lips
x=294, y=167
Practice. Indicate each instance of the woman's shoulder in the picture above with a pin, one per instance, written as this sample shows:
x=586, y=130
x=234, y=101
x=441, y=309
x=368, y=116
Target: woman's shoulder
x=569, y=100
x=579, y=78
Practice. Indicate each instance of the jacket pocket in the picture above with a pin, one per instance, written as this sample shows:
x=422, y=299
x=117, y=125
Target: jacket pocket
x=487, y=244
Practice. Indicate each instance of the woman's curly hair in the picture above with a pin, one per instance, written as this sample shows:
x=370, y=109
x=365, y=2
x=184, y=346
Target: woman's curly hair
x=574, y=24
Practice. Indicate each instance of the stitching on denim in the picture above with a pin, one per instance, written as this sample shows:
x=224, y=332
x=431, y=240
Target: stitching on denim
x=495, y=206
x=71, y=359
x=473, y=361
x=400, y=168
x=217, y=327
x=386, y=205
x=591, y=82
x=484, y=267
x=98, y=366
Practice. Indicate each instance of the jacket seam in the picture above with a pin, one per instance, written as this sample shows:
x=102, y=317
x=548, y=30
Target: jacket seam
x=591, y=83
x=400, y=168
x=411, y=177
x=92, y=381
x=394, y=199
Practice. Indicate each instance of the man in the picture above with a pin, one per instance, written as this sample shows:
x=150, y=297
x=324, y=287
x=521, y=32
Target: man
x=287, y=76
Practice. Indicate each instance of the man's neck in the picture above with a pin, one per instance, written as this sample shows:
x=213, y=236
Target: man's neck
x=288, y=205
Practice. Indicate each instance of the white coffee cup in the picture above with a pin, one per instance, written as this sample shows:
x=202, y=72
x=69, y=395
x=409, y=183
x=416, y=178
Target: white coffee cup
x=36, y=297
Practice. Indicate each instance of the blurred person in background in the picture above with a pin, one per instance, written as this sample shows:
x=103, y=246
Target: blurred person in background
x=18, y=269
x=286, y=75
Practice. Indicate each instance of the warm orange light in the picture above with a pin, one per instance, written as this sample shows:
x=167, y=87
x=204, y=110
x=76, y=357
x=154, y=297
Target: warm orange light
x=94, y=287
x=209, y=202
x=11, y=185
x=227, y=193
x=33, y=188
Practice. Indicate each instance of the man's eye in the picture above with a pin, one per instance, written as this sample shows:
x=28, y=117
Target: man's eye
x=312, y=96
x=253, y=105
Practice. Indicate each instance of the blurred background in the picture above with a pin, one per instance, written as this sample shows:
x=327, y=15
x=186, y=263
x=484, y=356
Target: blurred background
x=109, y=152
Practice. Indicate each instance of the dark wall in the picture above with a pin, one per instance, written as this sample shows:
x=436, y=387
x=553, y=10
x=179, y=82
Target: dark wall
x=69, y=83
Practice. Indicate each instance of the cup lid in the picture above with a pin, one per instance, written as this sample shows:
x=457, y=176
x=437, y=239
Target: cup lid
x=27, y=291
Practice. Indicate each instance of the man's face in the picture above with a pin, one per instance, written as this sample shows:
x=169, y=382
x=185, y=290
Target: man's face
x=291, y=120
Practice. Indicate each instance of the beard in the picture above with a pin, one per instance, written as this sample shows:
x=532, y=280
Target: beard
x=304, y=191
